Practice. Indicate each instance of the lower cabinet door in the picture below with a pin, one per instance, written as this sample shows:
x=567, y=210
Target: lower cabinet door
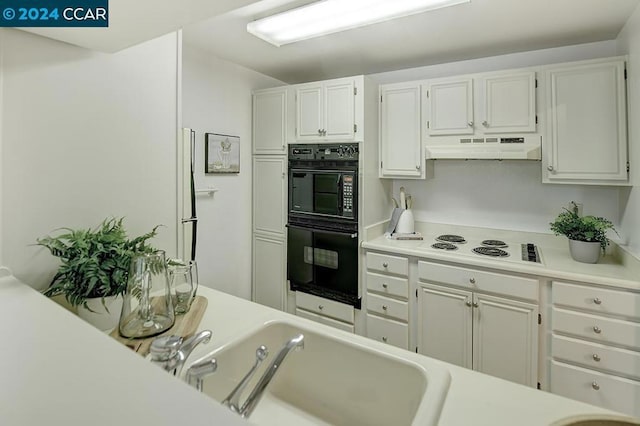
x=325, y=320
x=269, y=274
x=385, y=330
x=445, y=324
x=505, y=339
x=604, y=390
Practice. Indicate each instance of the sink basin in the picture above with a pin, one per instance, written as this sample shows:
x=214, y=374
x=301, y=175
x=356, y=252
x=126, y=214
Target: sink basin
x=333, y=380
x=597, y=420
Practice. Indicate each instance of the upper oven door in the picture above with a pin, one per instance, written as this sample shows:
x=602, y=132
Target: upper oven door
x=321, y=193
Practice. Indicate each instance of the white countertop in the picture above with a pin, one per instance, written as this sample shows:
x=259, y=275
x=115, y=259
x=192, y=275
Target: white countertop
x=58, y=370
x=617, y=268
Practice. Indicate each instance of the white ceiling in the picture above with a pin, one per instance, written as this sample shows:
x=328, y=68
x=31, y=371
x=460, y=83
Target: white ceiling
x=478, y=29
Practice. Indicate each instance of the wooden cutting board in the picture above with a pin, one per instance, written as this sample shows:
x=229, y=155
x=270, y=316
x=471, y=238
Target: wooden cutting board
x=185, y=326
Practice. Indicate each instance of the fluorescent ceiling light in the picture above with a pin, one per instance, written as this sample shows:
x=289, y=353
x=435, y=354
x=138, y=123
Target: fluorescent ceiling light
x=331, y=16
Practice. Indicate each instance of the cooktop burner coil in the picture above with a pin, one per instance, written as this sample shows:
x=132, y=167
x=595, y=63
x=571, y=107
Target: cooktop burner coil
x=444, y=246
x=494, y=243
x=447, y=238
x=490, y=251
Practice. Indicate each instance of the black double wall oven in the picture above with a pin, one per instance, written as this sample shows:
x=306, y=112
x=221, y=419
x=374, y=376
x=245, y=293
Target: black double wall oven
x=322, y=237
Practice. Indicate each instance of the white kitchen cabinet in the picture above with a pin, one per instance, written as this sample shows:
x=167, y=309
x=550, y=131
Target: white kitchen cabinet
x=586, y=139
x=387, y=284
x=509, y=102
x=400, y=131
x=269, y=194
x=460, y=324
x=269, y=271
x=450, y=107
x=270, y=121
x=326, y=110
x=595, y=345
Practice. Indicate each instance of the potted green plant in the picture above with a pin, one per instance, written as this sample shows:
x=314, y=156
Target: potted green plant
x=95, y=268
x=587, y=234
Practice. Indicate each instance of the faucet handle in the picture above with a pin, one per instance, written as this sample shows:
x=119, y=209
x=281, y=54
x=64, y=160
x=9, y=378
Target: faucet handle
x=165, y=348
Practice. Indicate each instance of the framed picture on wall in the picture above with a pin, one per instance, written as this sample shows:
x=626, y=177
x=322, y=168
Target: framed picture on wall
x=221, y=153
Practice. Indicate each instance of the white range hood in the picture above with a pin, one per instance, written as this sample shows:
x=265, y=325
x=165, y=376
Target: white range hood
x=494, y=148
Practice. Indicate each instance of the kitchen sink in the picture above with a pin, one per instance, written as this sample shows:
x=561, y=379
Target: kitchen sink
x=333, y=380
x=597, y=420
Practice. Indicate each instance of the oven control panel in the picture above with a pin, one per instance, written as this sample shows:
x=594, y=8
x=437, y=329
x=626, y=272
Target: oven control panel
x=347, y=194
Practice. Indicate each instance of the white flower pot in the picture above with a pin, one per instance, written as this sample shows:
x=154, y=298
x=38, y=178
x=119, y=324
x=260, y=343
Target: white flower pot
x=585, y=251
x=100, y=318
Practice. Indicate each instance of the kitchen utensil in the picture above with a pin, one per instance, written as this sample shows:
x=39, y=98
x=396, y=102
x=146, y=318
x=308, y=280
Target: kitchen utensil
x=409, y=202
x=395, y=203
x=147, y=308
x=403, y=201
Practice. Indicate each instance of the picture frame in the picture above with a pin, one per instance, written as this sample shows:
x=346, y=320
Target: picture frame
x=221, y=153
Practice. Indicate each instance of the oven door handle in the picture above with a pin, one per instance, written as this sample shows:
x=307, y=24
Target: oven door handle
x=324, y=231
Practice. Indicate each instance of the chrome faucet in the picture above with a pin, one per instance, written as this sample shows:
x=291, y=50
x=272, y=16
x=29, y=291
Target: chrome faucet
x=233, y=400
x=171, y=352
x=200, y=369
x=258, y=391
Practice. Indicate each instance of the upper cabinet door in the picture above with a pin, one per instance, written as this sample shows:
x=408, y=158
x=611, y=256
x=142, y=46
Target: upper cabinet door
x=339, y=110
x=400, y=138
x=270, y=121
x=587, y=132
x=309, y=112
x=450, y=107
x=510, y=103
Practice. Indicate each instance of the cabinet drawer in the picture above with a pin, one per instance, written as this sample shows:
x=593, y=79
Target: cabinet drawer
x=325, y=320
x=599, y=300
x=614, y=393
x=388, y=331
x=325, y=307
x=391, y=286
x=625, y=333
x=471, y=279
x=388, y=307
x=388, y=264
x=594, y=355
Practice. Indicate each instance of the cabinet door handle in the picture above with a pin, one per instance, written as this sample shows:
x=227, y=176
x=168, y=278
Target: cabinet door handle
x=384, y=339
x=475, y=305
x=470, y=124
x=550, y=168
x=472, y=280
x=595, y=385
x=596, y=357
x=319, y=132
x=385, y=307
x=597, y=301
x=385, y=286
x=468, y=304
x=385, y=265
x=485, y=123
x=321, y=307
x=418, y=167
x=597, y=329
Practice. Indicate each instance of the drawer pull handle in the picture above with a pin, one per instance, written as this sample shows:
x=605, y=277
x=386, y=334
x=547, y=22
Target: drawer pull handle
x=385, y=285
x=597, y=301
x=384, y=339
x=596, y=357
x=321, y=307
x=385, y=307
x=595, y=385
x=472, y=280
x=385, y=265
x=597, y=329
x=469, y=304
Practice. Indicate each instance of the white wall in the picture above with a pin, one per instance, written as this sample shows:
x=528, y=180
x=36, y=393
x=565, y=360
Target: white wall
x=507, y=194
x=85, y=135
x=629, y=43
x=217, y=99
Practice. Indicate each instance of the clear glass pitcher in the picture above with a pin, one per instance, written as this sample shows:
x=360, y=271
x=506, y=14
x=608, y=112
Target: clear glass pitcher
x=147, y=308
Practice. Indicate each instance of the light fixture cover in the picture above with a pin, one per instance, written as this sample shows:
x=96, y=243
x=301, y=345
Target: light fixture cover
x=331, y=16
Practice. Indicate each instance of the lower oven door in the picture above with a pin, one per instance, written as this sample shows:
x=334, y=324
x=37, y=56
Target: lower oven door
x=323, y=262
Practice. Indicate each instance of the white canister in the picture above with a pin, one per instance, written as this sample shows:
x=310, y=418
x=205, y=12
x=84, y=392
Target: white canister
x=406, y=223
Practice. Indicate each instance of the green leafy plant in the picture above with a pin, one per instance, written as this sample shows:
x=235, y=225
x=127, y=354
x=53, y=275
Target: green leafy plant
x=95, y=262
x=582, y=228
